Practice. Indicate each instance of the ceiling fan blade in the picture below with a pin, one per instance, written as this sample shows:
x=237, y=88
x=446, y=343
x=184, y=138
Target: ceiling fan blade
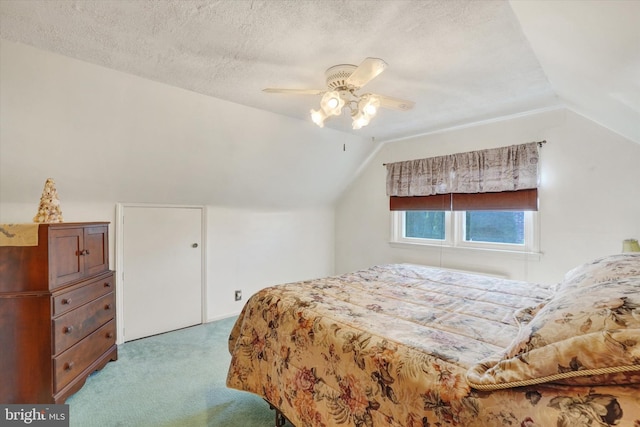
x=295, y=91
x=395, y=103
x=366, y=71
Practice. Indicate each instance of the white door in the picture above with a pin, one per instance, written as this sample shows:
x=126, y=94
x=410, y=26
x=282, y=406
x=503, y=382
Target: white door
x=162, y=269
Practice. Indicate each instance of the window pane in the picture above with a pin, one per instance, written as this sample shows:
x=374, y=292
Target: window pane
x=424, y=224
x=494, y=227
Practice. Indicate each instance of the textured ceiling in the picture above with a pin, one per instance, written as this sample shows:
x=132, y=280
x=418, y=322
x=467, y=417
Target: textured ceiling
x=460, y=61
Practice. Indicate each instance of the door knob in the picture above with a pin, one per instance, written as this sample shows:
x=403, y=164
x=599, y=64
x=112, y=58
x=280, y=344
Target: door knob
x=195, y=245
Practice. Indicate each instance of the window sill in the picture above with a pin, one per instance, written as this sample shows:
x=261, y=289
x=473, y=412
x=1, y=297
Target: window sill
x=531, y=256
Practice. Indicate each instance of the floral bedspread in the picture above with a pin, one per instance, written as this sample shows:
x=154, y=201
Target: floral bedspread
x=391, y=346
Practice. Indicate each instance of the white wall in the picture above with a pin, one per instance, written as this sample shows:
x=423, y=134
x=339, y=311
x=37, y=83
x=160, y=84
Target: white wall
x=246, y=249
x=589, y=198
x=250, y=250
x=107, y=137
x=104, y=135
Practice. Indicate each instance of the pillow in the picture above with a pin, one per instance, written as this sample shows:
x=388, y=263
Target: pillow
x=587, y=334
x=604, y=269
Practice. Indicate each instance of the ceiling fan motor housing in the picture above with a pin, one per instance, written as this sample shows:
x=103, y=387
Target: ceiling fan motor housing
x=337, y=77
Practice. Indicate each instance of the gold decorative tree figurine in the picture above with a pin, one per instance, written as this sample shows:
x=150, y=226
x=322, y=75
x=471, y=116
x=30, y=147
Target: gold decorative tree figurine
x=49, y=209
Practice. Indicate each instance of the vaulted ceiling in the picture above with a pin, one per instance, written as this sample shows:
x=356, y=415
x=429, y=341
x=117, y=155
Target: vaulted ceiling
x=121, y=93
x=461, y=61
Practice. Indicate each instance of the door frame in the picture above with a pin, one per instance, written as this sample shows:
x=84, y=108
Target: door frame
x=119, y=259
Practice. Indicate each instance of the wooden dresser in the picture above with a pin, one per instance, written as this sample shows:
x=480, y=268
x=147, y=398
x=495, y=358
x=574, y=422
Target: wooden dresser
x=57, y=312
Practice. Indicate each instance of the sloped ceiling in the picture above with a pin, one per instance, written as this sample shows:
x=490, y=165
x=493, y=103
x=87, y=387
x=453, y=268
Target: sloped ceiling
x=590, y=52
x=461, y=61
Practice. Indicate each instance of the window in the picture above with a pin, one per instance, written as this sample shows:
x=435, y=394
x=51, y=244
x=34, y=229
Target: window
x=494, y=227
x=497, y=230
x=425, y=224
x=484, y=199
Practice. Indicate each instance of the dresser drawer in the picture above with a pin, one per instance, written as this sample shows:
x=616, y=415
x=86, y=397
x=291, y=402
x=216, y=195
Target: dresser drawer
x=72, y=362
x=77, y=324
x=78, y=296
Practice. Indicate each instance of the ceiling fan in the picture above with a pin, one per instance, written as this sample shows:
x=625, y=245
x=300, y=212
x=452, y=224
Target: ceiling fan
x=343, y=82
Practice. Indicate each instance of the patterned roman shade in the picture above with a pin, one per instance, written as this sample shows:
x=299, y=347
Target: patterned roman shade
x=493, y=179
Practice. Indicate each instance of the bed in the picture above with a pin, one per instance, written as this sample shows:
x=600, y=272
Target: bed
x=409, y=345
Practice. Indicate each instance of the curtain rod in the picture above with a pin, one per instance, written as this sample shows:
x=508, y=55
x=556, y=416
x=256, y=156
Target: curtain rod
x=540, y=143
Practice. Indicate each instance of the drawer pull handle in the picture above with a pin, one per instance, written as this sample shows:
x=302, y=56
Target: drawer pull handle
x=68, y=329
x=107, y=284
x=109, y=334
x=107, y=307
x=68, y=366
x=66, y=301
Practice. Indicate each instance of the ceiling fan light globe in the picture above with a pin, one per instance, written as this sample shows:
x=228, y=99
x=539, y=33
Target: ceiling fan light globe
x=332, y=103
x=358, y=124
x=368, y=105
x=318, y=117
x=371, y=110
x=360, y=120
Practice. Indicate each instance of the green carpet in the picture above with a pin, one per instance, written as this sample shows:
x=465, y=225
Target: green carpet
x=173, y=379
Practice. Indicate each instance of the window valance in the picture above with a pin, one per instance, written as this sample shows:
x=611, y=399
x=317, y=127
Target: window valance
x=492, y=179
x=497, y=169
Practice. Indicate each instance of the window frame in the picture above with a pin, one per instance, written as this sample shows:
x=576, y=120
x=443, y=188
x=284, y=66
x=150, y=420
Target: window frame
x=398, y=231
x=454, y=234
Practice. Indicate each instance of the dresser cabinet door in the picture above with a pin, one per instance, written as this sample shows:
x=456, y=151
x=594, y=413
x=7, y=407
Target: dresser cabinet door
x=75, y=253
x=96, y=250
x=66, y=261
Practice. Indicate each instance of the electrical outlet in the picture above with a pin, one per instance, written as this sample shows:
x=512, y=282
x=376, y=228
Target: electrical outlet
x=238, y=295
